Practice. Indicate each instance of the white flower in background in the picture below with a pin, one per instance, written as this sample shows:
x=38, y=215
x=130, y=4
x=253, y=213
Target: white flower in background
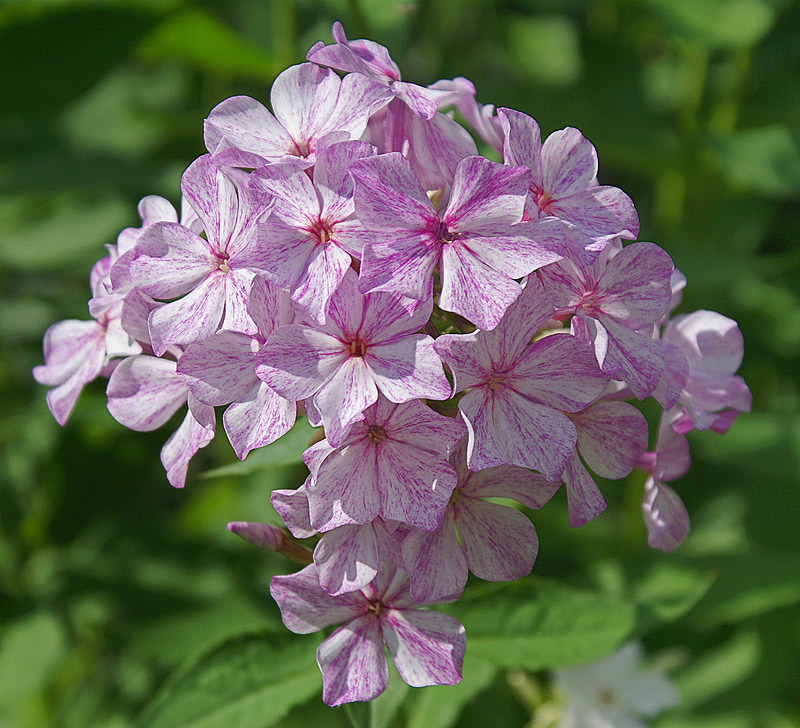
x=614, y=692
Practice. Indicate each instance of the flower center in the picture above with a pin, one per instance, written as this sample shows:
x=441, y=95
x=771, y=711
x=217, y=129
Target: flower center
x=443, y=234
x=223, y=264
x=322, y=231
x=376, y=433
x=494, y=381
x=541, y=198
x=375, y=607
x=357, y=348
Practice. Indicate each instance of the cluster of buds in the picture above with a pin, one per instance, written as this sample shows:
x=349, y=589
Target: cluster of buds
x=461, y=328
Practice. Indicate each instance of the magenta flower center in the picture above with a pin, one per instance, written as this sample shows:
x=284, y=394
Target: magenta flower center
x=322, y=231
x=375, y=607
x=443, y=234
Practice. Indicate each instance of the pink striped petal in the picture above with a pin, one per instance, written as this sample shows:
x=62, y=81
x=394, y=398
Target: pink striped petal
x=510, y=481
x=144, y=392
x=191, y=318
x=523, y=141
x=306, y=607
x=569, y=163
x=466, y=357
x=584, y=499
x=599, y=211
x=344, y=396
x=638, y=358
x=611, y=436
x=296, y=201
x=404, y=265
x=665, y=516
x=333, y=181
x=500, y=542
x=257, y=419
x=244, y=123
x=347, y=558
x=352, y=662
x=292, y=507
x=408, y=368
x=213, y=197
x=185, y=442
x=237, y=294
x=324, y=271
x=171, y=260
x=427, y=648
x=388, y=316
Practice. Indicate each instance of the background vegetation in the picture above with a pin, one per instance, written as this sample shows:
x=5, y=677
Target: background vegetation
x=124, y=602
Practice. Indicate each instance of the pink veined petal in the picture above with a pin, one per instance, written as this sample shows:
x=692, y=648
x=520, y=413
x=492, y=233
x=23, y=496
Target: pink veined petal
x=665, y=516
x=711, y=342
x=611, y=436
x=346, y=308
x=280, y=252
x=531, y=435
x=638, y=357
x=332, y=178
x=635, y=286
x=434, y=146
x=344, y=396
x=416, y=425
x=245, y=124
x=292, y=507
x=523, y=141
x=237, y=294
x=472, y=289
x=403, y=264
x=500, y=542
x=68, y=347
x=486, y=193
x=171, y=260
x=599, y=211
x=306, y=607
x=191, y=318
x=144, y=392
x=303, y=98
x=213, y=197
x=584, y=499
x=674, y=459
x=421, y=100
x=359, y=98
x=352, y=662
x=485, y=448
x=559, y=371
x=427, y=647
x=136, y=308
x=408, y=368
x=347, y=558
x=257, y=418
x=269, y=306
x=435, y=561
x=220, y=369
x=512, y=251
x=365, y=57
x=351, y=235
x=388, y=195
x=297, y=360
x=673, y=380
x=324, y=271
x=184, y=443
x=296, y=201
x=466, y=358
x=414, y=487
x=569, y=163
x=564, y=284
x=345, y=490
x=388, y=316
x=511, y=481
x=154, y=208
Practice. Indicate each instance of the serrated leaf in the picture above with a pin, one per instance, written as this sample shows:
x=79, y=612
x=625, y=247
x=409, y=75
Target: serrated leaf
x=536, y=624
x=284, y=452
x=249, y=682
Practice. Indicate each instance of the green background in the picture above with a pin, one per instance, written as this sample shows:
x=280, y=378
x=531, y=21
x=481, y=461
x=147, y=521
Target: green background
x=125, y=602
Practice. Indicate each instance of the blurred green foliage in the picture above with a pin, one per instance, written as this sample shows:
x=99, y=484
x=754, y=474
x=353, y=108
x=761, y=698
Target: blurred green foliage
x=124, y=602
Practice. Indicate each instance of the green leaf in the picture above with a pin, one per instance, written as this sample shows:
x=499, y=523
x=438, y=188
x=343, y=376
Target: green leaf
x=196, y=37
x=546, y=48
x=49, y=232
x=717, y=23
x=536, y=624
x=384, y=708
x=764, y=160
x=29, y=650
x=669, y=591
x=440, y=706
x=249, y=682
x=719, y=669
x=284, y=452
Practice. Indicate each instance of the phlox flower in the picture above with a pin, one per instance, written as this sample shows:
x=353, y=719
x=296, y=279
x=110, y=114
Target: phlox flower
x=518, y=392
x=369, y=344
x=306, y=242
x=312, y=107
x=477, y=243
x=564, y=184
x=494, y=542
x=427, y=647
x=392, y=464
x=205, y=275
x=613, y=295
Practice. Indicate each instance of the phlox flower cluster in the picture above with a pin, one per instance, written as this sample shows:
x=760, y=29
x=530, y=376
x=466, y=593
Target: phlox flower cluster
x=460, y=329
